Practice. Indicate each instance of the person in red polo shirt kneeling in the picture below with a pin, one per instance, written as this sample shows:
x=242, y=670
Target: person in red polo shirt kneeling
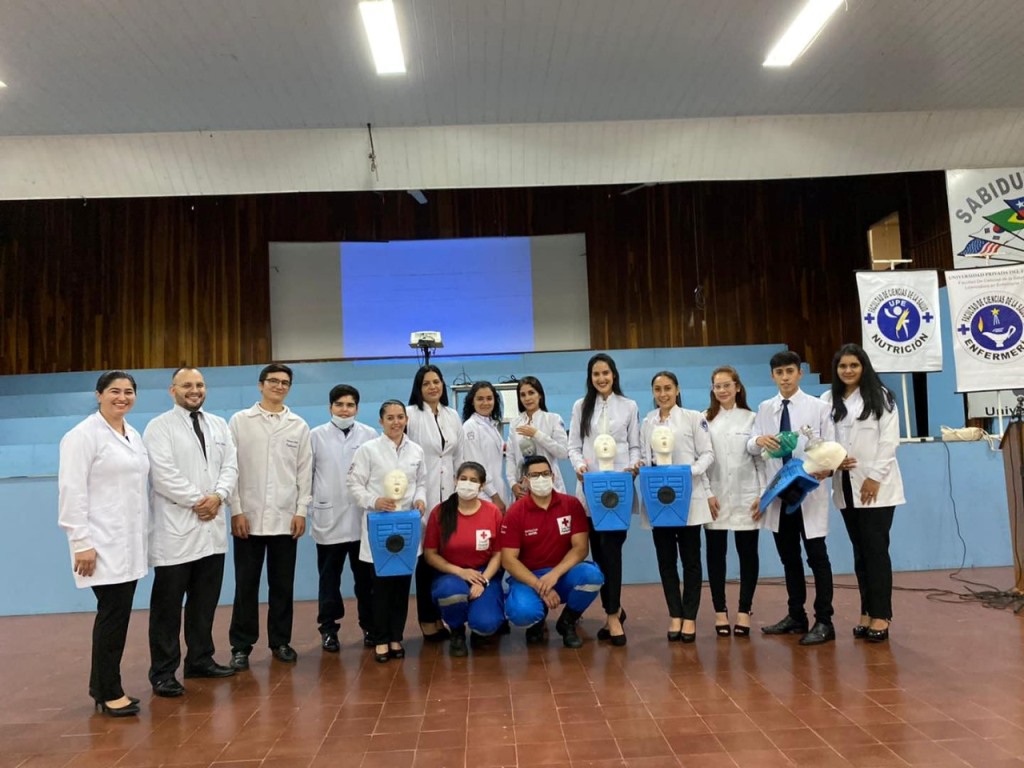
x=544, y=540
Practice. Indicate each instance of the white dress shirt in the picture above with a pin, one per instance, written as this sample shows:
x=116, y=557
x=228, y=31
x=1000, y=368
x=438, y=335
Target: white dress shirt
x=737, y=478
x=180, y=475
x=441, y=462
x=617, y=416
x=873, y=443
x=334, y=516
x=804, y=410
x=485, y=446
x=275, y=469
x=551, y=442
x=103, y=499
x=692, y=447
x=370, y=466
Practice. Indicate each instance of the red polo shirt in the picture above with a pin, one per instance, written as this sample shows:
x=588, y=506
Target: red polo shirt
x=543, y=536
x=474, y=540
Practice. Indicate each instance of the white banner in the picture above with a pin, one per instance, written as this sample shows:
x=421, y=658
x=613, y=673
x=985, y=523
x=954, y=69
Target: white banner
x=899, y=314
x=986, y=216
x=987, y=312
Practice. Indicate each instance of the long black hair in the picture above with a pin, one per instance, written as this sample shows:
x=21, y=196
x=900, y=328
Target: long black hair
x=877, y=399
x=590, y=399
x=531, y=381
x=448, y=516
x=416, y=396
x=468, y=409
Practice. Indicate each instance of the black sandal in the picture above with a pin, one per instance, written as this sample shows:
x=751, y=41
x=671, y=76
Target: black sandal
x=741, y=631
x=723, y=630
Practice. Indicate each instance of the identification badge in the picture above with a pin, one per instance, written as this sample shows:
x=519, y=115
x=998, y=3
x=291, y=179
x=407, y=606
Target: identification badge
x=565, y=525
x=483, y=540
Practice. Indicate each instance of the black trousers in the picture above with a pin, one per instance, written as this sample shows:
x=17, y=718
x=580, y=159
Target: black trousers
x=280, y=552
x=869, y=534
x=685, y=539
x=606, y=547
x=330, y=560
x=199, y=581
x=787, y=542
x=109, y=633
x=426, y=611
x=750, y=565
x=390, y=608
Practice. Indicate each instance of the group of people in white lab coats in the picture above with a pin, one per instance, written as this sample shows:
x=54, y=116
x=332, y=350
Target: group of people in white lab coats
x=127, y=502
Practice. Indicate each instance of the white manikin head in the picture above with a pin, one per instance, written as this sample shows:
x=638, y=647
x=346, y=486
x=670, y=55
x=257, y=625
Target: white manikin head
x=662, y=443
x=396, y=483
x=605, y=450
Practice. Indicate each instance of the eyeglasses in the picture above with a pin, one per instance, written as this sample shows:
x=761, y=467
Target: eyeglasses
x=535, y=475
x=278, y=382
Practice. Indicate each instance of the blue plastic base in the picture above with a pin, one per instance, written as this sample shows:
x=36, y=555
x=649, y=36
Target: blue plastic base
x=666, y=492
x=394, y=542
x=609, y=498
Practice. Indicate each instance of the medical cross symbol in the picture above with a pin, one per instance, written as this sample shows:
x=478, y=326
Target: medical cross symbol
x=869, y=318
x=928, y=317
x=963, y=330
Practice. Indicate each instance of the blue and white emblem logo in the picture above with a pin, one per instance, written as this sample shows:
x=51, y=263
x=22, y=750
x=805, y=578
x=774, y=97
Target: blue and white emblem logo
x=901, y=320
x=992, y=328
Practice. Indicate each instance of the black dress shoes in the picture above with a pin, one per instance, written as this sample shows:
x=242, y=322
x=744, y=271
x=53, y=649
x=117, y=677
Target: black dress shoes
x=239, y=660
x=566, y=627
x=367, y=642
x=329, y=642
x=820, y=633
x=788, y=626
x=285, y=653
x=214, y=670
x=129, y=710
x=860, y=632
x=606, y=634
x=168, y=688
x=877, y=635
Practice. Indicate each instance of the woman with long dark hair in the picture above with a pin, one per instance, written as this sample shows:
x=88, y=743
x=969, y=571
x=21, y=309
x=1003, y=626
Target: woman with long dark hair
x=481, y=424
x=437, y=429
x=461, y=544
x=103, y=496
x=869, y=482
x=737, y=480
x=604, y=410
x=534, y=432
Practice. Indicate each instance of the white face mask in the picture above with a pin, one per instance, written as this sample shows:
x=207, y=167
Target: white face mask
x=343, y=422
x=467, y=489
x=541, y=486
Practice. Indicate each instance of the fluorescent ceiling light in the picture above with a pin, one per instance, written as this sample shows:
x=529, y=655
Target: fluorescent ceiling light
x=801, y=32
x=382, y=31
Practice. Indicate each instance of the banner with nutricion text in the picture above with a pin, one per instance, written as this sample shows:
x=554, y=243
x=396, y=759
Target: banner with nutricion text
x=899, y=314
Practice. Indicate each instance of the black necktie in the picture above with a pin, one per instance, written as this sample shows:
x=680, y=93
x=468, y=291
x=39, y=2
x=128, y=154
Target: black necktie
x=199, y=430
x=785, y=426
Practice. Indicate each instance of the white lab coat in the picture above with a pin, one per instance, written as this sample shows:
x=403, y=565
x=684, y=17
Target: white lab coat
x=485, y=446
x=737, y=478
x=103, y=499
x=179, y=477
x=441, y=463
x=617, y=416
x=692, y=447
x=873, y=443
x=275, y=469
x=551, y=442
x=370, y=466
x=334, y=515
x=804, y=410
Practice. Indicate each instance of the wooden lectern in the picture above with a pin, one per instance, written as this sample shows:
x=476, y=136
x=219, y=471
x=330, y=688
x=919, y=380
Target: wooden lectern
x=1012, y=446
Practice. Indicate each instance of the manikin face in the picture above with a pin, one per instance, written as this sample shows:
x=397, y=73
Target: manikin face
x=662, y=440
x=483, y=401
x=725, y=390
x=850, y=370
x=117, y=399
x=665, y=392
x=395, y=484
x=393, y=422
x=602, y=378
x=344, y=407
x=604, y=447
x=432, y=389
x=529, y=397
x=189, y=390
x=787, y=379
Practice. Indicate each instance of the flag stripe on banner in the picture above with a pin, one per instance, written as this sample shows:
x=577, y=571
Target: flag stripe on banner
x=899, y=315
x=987, y=311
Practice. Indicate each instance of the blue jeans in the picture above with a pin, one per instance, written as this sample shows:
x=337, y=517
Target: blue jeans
x=484, y=614
x=577, y=589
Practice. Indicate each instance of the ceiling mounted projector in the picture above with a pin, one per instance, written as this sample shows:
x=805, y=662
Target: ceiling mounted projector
x=425, y=340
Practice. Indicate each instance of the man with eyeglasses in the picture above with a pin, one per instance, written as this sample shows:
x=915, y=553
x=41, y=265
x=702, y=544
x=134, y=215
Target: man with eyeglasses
x=544, y=543
x=268, y=514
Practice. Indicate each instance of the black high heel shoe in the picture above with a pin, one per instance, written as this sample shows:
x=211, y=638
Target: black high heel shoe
x=379, y=657
x=396, y=653
x=605, y=634
x=876, y=635
x=739, y=630
x=674, y=637
x=128, y=710
x=723, y=630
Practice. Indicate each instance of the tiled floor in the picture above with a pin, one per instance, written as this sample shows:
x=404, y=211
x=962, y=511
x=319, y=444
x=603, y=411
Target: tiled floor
x=947, y=690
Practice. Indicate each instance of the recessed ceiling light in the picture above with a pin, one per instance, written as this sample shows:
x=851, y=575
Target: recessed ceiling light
x=801, y=32
x=382, y=31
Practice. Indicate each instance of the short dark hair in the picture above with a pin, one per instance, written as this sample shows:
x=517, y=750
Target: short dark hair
x=341, y=390
x=106, y=379
x=782, y=359
x=529, y=461
x=276, y=368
